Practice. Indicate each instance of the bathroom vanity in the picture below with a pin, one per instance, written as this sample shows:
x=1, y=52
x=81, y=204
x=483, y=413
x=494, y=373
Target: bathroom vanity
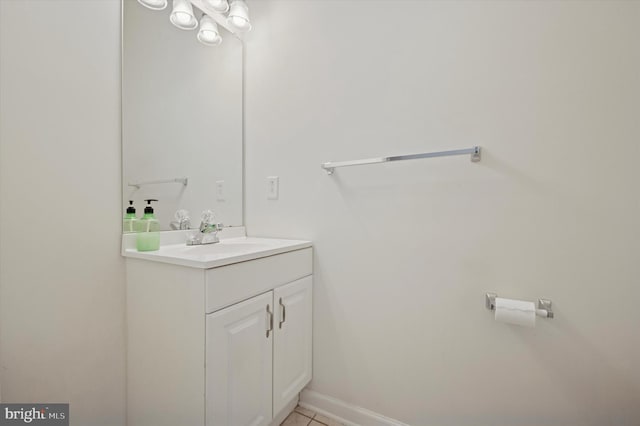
x=217, y=334
x=220, y=334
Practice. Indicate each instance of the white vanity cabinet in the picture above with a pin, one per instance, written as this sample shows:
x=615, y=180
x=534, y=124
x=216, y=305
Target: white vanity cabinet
x=292, y=345
x=223, y=346
x=239, y=363
x=258, y=355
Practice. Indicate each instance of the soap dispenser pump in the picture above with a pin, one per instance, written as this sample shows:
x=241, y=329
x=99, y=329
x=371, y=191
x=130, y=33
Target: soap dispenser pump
x=148, y=237
x=130, y=221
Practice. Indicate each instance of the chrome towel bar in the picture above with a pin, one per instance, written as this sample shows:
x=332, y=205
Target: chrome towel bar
x=332, y=165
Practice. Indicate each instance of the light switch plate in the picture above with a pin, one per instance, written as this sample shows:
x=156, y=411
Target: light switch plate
x=273, y=183
x=220, y=190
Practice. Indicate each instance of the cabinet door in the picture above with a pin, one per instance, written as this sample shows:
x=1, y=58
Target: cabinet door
x=292, y=350
x=239, y=364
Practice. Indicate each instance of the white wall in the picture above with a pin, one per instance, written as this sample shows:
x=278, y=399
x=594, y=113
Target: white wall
x=61, y=275
x=405, y=252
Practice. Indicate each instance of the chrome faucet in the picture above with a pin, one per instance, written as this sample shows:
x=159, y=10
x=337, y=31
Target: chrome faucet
x=208, y=231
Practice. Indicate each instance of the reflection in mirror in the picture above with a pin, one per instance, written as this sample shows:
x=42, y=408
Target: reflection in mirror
x=181, y=119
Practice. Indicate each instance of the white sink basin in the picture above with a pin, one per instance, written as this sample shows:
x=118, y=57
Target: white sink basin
x=226, y=252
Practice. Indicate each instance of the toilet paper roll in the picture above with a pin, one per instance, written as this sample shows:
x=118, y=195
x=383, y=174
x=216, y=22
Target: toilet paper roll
x=517, y=312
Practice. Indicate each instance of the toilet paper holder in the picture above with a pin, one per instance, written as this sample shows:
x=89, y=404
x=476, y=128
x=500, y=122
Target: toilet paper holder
x=544, y=305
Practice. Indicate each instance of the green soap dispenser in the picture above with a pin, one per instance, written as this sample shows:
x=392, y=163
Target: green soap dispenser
x=148, y=237
x=130, y=221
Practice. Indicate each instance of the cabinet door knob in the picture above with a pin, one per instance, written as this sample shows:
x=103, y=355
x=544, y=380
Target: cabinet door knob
x=284, y=313
x=270, y=321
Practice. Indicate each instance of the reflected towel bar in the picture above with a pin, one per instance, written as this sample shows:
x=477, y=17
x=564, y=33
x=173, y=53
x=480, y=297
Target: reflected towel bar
x=182, y=180
x=332, y=165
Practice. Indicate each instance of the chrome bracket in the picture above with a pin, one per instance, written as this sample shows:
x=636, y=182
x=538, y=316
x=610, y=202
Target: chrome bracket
x=545, y=305
x=490, y=301
x=475, y=155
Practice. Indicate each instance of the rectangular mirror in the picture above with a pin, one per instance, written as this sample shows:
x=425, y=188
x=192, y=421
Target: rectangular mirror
x=181, y=119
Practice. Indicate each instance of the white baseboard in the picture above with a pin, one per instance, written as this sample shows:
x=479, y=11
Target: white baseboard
x=343, y=412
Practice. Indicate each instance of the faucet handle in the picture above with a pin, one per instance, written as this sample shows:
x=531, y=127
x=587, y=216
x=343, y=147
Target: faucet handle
x=207, y=216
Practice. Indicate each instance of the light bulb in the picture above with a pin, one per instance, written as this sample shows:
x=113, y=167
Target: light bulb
x=182, y=15
x=239, y=16
x=208, y=33
x=154, y=4
x=239, y=23
x=183, y=18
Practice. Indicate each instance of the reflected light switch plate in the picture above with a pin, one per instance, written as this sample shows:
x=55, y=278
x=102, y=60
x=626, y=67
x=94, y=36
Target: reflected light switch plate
x=220, y=190
x=272, y=187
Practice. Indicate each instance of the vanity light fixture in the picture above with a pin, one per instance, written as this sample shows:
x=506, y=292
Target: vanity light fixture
x=182, y=15
x=239, y=16
x=154, y=4
x=220, y=6
x=208, y=33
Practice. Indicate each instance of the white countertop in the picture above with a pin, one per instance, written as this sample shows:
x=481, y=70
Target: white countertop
x=226, y=252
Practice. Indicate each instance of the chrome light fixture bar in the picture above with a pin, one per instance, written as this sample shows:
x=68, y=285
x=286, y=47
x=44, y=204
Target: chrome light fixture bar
x=332, y=165
x=219, y=17
x=220, y=6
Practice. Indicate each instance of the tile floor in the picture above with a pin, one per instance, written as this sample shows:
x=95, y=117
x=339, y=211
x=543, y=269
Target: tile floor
x=303, y=417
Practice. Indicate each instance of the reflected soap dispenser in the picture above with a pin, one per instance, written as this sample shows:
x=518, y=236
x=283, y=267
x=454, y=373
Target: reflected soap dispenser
x=148, y=237
x=130, y=221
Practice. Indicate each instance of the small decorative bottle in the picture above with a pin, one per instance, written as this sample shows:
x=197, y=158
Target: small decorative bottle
x=129, y=222
x=148, y=237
